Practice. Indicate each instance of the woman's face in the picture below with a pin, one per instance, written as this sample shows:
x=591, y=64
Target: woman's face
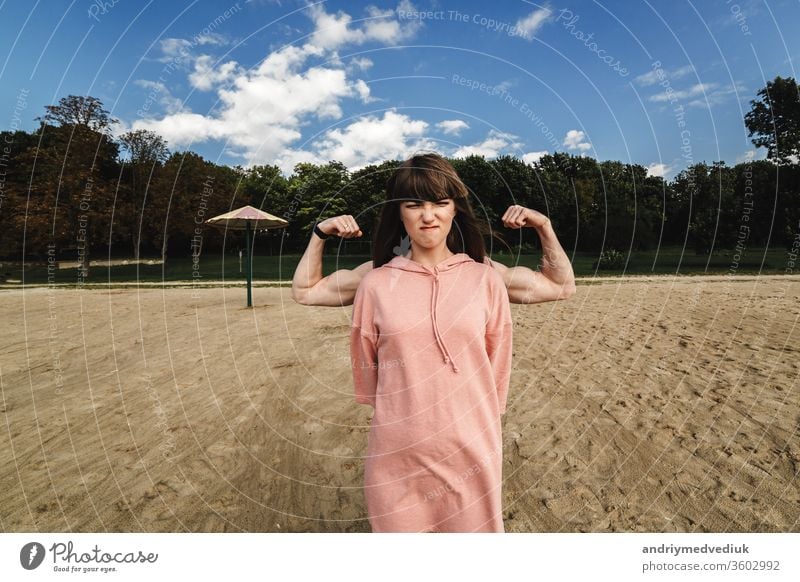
x=428, y=223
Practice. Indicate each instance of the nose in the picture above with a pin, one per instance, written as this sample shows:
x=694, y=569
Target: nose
x=427, y=213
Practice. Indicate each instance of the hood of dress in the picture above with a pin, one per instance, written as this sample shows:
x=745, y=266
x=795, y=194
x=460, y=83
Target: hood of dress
x=449, y=264
x=400, y=262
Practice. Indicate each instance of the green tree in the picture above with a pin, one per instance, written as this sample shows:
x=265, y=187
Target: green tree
x=712, y=206
x=365, y=194
x=774, y=120
x=185, y=192
x=482, y=182
x=266, y=188
x=554, y=195
x=147, y=151
x=69, y=203
x=144, y=147
x=77, y=110
x=316, y=193
x=514, y=186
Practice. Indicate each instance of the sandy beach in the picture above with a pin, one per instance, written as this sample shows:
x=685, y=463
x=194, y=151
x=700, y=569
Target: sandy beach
x=656, y=405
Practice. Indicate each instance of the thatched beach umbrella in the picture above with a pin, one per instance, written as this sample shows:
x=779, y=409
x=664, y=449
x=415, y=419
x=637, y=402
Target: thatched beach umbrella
x=247, y=219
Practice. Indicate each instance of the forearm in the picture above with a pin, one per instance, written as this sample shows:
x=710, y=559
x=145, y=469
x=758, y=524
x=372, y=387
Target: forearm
x=556, y=265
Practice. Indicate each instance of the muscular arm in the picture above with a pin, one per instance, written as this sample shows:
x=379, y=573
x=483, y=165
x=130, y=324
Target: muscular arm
x=555, y=279
x=310, y=287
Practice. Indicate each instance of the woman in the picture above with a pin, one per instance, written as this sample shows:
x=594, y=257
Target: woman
x=431, y=352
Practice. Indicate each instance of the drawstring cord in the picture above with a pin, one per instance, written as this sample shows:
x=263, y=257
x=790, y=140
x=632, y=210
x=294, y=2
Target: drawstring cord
x=448, y=359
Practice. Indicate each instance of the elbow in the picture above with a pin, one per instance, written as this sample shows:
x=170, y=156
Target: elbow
x=567, y=290
x=299, y=295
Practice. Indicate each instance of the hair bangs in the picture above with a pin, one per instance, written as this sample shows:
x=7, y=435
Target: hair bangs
x=427, y=177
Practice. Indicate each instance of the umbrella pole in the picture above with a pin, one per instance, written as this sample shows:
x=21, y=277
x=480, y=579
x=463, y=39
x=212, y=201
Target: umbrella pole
x=248, y=258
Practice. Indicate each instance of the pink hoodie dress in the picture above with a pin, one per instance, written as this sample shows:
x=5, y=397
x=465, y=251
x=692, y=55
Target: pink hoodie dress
x=431, y=353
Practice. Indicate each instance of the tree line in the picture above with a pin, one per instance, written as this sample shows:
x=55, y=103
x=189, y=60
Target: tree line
x=70, y=186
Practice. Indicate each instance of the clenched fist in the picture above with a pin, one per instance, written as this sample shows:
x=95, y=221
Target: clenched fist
x=518, y=216
x=344, y=226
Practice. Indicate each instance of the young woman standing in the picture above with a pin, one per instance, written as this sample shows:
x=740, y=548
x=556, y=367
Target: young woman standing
x=431, y=345
x=431, y=353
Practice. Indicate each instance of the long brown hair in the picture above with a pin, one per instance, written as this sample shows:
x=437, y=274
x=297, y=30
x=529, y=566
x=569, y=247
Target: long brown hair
x=428, y=177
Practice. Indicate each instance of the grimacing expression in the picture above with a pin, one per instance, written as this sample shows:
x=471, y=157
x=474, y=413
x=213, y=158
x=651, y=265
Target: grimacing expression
x=428, y=223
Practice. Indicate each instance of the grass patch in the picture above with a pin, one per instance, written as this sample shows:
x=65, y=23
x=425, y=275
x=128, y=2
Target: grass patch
x=665, y=261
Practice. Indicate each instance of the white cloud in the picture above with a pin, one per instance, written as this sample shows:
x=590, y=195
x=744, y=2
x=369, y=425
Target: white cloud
x=530, y=25
x=212, y=38
x=692, y=91
x=651, y=78
x=658, y=170
x=368, y=140
x=495, y=144
x=533, y=157
x=333, y=30
x=717, y=96
x=700, y=94
x=359, y=64
x=452, y=126
x=363, y=92
x=575, y=140
x=159, y=93
x=753, y=155
x=180, y=51
x=174, y=48
x=262, y=110
x=184, y=128
x=205, y=76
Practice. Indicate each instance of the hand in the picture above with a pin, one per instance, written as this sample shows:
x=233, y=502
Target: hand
x=344, y=226
x=518, y=216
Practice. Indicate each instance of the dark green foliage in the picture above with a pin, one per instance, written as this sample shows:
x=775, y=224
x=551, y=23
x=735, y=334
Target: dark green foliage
x=67, y=181
x=774, y=120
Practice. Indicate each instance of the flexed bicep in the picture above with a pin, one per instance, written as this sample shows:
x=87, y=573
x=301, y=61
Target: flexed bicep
x=337, y=289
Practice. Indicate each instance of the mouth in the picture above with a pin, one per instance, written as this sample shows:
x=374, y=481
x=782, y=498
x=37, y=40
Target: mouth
x=428, y=227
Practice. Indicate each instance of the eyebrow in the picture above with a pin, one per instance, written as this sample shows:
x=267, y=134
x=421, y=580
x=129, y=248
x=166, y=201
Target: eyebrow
x=418, y=200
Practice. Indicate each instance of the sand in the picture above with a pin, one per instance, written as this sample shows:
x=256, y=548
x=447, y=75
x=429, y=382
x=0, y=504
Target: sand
x=658, y=405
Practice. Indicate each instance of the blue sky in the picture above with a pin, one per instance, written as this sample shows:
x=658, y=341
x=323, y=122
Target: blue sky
x=662, y=84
